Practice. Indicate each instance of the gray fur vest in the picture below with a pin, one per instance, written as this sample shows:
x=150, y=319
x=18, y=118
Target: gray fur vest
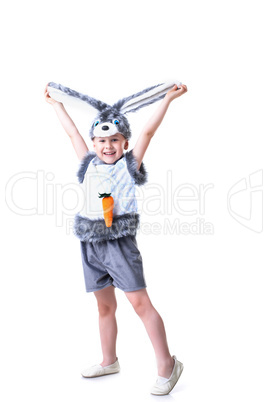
x=95, y=230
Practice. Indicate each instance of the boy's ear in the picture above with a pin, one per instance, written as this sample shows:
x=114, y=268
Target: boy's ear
x=144, y=98
x=126, y=145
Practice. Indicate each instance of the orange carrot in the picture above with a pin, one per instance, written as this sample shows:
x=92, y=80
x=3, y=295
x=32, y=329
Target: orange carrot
x=107, y=206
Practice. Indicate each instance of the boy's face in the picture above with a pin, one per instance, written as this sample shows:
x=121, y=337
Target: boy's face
x=110, y=149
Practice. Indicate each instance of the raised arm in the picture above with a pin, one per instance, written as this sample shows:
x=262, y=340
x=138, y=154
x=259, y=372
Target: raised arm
x=154, y=122
x=77, y=140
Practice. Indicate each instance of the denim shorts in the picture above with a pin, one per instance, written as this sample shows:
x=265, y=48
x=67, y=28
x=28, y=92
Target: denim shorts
x=113, y=263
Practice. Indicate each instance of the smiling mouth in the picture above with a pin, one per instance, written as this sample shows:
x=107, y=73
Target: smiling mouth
x=109, y=153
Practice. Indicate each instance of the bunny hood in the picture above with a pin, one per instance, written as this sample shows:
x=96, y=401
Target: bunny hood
x=111, y=120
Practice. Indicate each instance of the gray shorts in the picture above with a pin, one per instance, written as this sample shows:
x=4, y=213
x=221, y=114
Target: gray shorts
x=113, y=263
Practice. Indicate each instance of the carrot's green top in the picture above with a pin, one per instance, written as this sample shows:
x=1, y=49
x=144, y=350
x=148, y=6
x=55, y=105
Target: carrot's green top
x=104, y=195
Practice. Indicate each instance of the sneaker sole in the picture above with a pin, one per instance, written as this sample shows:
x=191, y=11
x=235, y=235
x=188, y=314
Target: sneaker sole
x=99, y=375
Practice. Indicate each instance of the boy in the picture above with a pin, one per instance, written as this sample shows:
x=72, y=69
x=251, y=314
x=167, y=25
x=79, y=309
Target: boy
x=116, y=262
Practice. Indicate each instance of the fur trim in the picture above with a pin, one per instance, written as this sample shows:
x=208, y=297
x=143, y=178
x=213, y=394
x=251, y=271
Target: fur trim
x=145, y=98
x=59, y=92
x=122, y=103
x=84, y=165
x=139, y=176
x=96, y=230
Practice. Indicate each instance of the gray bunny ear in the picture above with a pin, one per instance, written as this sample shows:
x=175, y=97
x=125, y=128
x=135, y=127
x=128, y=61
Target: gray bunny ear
x=144, y=98
x=61, y=94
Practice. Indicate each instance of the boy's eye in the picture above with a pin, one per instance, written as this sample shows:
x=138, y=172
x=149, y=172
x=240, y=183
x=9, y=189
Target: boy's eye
x=96, y=123
x=116, y=121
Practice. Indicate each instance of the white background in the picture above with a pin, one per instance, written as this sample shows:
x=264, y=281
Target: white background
x=211, y=289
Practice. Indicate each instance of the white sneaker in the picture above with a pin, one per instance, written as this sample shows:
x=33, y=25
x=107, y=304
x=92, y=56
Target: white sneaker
x=165, y=388
x=98, y=370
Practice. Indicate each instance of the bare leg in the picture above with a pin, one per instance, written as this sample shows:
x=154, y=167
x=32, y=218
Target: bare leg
x=155, y=329
x=107, y=324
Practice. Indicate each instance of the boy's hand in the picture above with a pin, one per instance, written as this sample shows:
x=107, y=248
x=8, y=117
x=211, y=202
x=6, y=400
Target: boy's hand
x=48, y=97
x=175, y=92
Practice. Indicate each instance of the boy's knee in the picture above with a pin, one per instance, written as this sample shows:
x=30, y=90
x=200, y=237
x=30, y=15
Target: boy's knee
x=140, y=302
x=107, y=309
x=140, y=307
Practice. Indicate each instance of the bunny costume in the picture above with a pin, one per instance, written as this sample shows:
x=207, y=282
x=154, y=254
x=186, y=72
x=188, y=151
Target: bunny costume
x=122, y=177
x=109, y=254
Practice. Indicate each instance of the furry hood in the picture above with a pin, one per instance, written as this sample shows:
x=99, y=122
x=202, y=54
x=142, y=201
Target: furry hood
x=112, y=119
